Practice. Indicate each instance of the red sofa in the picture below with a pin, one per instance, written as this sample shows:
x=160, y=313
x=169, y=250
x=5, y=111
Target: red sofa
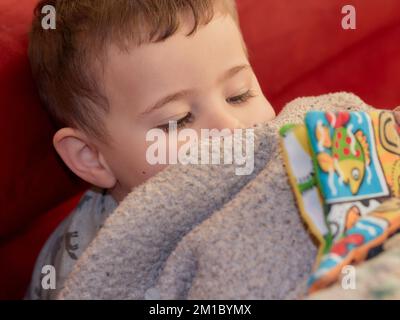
x=297, y=48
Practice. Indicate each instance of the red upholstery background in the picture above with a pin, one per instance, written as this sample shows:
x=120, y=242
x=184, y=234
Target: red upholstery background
x=297, y=48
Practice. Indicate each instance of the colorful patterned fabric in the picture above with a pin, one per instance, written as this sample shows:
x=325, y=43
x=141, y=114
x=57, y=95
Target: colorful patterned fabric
x=345, y=172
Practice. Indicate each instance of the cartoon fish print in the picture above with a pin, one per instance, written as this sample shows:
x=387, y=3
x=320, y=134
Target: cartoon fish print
x=349, y=152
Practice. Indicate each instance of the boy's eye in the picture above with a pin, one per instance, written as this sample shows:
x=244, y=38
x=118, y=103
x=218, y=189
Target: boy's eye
x=241, y=98
x=182, y=122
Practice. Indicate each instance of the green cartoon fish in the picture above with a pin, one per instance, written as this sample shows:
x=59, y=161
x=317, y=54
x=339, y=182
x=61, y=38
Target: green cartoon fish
x=350, y=152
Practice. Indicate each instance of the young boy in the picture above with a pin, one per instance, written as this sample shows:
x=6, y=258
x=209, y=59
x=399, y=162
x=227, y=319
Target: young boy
x=114, y=69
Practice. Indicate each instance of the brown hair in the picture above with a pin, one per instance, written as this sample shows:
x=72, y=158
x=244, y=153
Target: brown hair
x=64, y=60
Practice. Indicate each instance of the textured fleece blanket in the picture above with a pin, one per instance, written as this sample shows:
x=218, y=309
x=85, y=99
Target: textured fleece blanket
x=202, y=232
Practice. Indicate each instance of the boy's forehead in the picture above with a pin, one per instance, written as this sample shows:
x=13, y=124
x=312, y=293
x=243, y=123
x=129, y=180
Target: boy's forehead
x=178, y=63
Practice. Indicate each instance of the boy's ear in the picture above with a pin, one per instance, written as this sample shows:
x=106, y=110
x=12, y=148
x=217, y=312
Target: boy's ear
x=83, y=158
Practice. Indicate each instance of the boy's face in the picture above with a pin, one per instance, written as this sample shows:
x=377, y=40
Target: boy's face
x=212, y=69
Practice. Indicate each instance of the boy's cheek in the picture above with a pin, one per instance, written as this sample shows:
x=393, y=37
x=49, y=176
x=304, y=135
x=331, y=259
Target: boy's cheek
x=149, y=170
x=269, y=112
x=140, y=169
x=262, y=113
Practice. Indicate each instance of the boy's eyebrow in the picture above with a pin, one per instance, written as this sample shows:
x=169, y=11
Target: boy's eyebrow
x=231, y=72
x=181, y=94
x=167, y=99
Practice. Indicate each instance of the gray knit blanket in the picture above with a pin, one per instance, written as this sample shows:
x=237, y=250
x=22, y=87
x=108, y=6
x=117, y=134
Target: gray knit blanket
x=203, y=232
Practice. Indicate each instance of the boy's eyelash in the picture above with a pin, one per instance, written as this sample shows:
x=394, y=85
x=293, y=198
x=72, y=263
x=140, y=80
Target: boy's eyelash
x=181, y=123
x=241, y=98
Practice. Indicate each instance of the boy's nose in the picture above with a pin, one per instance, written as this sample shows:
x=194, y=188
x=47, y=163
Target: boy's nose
x=223, y=120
